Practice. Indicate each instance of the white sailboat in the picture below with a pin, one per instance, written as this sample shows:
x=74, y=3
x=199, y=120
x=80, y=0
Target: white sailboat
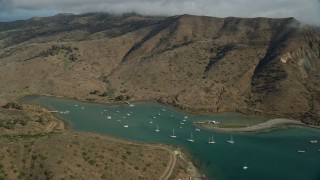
x=211, y=141
x=173, y=136
x=245, y=167
x=231, y=141
x=313, y=141
x=126, y=126
x=157, y=130
x=191, y=138
x=151, y=121
x=154, y=116
x=172, y=115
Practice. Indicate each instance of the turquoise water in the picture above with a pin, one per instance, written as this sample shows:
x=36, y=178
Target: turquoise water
x=268, y=155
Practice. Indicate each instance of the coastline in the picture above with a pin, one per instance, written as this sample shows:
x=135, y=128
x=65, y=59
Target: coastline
x=67, y=124
x=192, y=168
x=259, y=127
x=192, y=172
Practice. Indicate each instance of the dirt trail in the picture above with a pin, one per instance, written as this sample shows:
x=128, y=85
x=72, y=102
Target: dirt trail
x=168, y=171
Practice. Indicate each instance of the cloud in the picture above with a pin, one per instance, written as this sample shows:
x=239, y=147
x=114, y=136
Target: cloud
x=307, y=11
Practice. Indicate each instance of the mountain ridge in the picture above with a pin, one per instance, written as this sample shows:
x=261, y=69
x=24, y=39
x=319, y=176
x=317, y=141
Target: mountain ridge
x=197, y=63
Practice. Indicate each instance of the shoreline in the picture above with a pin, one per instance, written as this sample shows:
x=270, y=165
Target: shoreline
x=259, y=127
x=171, y=149
x=176, y=108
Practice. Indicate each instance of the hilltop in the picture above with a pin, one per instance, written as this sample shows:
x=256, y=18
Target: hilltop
x=196, y=63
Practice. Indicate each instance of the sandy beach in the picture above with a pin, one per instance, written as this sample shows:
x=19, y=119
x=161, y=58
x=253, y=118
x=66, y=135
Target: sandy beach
x=270, y=124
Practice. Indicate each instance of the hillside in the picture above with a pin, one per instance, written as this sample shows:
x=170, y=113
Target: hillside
x=35, y=145
x=199, y=64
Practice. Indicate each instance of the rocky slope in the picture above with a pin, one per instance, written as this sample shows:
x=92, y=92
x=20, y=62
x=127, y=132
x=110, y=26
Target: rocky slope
x=200, y=64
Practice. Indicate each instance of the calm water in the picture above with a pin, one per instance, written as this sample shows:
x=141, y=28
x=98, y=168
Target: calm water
x=268, y=155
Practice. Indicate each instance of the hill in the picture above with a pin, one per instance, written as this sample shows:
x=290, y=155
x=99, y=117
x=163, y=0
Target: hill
x=199, y=64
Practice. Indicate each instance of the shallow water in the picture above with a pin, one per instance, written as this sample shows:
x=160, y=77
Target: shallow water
x=268, y=155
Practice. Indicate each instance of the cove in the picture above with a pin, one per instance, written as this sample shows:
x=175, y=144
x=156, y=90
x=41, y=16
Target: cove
x=268, y=155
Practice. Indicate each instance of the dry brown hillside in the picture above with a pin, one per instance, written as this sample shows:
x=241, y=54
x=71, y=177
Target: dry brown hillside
x=35, y=145
x=200, y=64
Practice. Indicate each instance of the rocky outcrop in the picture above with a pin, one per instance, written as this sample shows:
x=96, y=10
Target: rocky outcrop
x=13, y=105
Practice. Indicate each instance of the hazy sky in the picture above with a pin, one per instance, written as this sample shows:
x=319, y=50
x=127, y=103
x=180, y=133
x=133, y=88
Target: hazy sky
x=307, y=11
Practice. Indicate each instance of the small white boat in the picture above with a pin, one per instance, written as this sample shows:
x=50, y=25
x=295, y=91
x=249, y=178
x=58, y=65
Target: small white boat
x=186, y=117
x=313, y=141
x=159, y=113
x=173, y=136
x=184, y=120
x=231, y=141
x=151, y=121
x=301, y=151
x=245, y=167
x=163, y=110
x=131, y=105
x=76, y=105
x=211, y=141
x=197, y=129
x=128, y=114
x=126, y=126
x=191, y=138
x=181, y=123
x=172, y=115
x=154, y=116
x=108, y=117
x=157, y=130
x=180, y=127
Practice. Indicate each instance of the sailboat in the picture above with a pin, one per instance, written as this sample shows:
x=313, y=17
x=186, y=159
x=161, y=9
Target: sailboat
x=191, y=138
x=151, y=121
x=157, y=130
x=154, y=116
x=313, y=141
x=173, y=136
x=211, y=141
x=126, y=126
x=172, y=115
x=245, y=167
x=231, y=141
x=159, y=113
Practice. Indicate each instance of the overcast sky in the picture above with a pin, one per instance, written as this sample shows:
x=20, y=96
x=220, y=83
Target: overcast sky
x=307, y=11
